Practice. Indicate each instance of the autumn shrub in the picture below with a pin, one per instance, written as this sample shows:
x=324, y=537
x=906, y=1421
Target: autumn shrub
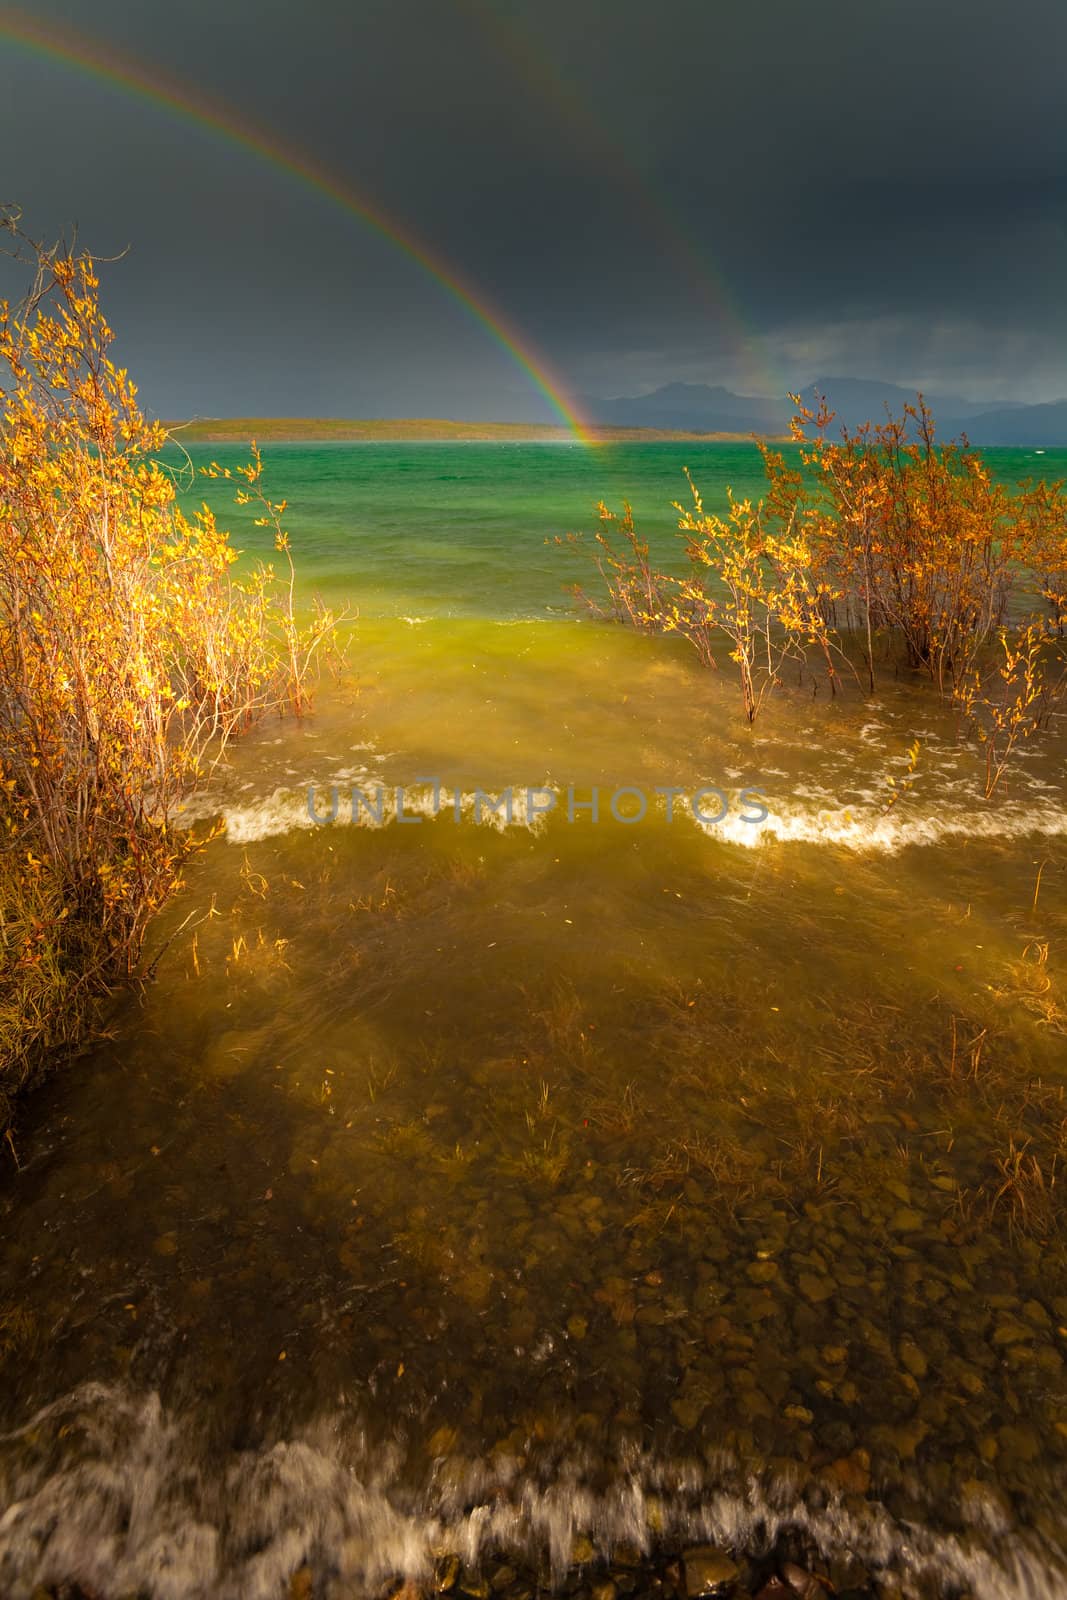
x=766, y=597
x=909, y=534
x=748, y=582
x=871, y=549
x=1041, y=545
x=1013, y=693
x=132, y=652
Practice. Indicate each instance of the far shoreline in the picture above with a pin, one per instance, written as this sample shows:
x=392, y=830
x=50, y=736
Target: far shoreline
x=429, y=430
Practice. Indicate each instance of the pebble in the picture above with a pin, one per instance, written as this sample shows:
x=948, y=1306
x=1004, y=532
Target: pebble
x=906, y=1220
x=708, y=1570
x=1009, y=1331
x=800, y=1582
x=626, y=1555
x=912, y=1358
x=1019, y=1442
x=446, y=1574
x=853, y=1472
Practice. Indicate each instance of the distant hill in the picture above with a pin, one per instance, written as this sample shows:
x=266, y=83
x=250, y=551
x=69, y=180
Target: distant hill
x=411, y=430
x=678, y=410
x=859, y=400
x=692, y=406
x=1041, y=427
x=713, y=409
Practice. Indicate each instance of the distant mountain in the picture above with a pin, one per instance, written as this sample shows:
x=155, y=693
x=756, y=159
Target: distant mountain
x=859, y=400
x=1004, y=422
x=707, y=408
x=687, y=406
x=1038, y=427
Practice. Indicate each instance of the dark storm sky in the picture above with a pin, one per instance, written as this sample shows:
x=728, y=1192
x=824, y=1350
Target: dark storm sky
x=751, y=193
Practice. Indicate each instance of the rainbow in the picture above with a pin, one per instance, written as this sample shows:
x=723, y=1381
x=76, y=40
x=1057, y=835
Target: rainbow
x=518, y=47
x=72, y=49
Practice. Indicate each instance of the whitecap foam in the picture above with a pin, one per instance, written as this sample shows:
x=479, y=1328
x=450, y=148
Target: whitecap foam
x=869, y=831
x=374, y=804
x=863, y=828
x=131, y=1504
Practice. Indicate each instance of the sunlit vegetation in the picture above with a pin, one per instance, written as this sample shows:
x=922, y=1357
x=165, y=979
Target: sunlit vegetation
x=878, y=550
x=132, y=652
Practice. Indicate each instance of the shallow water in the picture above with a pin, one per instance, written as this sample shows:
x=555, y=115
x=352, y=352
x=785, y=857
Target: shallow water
x=484, y=1184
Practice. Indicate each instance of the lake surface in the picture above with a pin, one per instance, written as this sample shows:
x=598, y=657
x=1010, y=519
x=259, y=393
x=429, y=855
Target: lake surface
x=489, y=1178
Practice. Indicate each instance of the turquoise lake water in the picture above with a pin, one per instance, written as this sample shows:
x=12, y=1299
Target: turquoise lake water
x=460, y=530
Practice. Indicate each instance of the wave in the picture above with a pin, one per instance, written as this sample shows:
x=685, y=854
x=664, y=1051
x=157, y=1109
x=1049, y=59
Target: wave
x=130, y=1503
x=887, y=833
x=364, y=800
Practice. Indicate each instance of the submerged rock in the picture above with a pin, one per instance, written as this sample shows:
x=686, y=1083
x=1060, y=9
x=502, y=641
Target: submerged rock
x=800, y=1583
x=912, y=1358
x=446, y=1574
x=853, y=1472
x=814, y=1288
x=707, y=1570
x=301, y=1584
x=906, y=1220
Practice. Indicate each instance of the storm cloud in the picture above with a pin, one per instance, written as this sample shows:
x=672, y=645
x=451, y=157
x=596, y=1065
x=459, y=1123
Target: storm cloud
x=745, y=195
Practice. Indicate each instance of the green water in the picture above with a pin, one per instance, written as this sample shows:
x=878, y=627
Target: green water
x=465, y=530
x=485, y=1186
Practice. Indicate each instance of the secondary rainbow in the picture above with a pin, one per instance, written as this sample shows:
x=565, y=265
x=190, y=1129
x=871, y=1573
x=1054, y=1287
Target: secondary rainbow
x=132, y=77
x=606, y=145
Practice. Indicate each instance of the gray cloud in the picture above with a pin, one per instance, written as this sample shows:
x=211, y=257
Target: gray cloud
x=746, y=195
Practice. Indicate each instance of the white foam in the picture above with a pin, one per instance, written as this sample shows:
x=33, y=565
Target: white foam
x=805, y=817
x=129, y=1504
x=867, y=830
x=283, y=810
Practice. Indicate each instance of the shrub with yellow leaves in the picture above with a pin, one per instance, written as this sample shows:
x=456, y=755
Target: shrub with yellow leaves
x=909, y=533
x=878, y=543
x=132, y=651
x=750, y=582
x=766, y=598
